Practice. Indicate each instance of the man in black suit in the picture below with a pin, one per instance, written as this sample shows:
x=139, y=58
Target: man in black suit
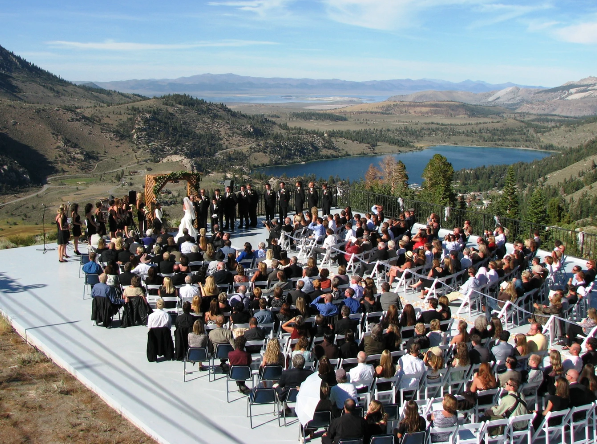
x=292, y=378
x=299, y=197
x=579, y=394
x=126, y=276
x=253, y=200
x=299, y=293
x=347, y=426
x=295, y=268
x=283, y=200
x=326, y=199
x=426, y=316
x=254, y=333
x=194, y=255
x=312, y=196
x=214, y=210
x=478, y=354
x=345, y=324
x=229, y=209
x=269, y=200
x=222, y=276
x=243, y=207
x=419, y=338
x=202, y=208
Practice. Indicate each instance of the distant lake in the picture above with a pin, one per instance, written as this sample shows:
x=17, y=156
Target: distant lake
x=459, y=156
x=289, y=98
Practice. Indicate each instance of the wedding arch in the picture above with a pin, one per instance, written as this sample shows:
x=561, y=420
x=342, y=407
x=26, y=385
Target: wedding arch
x=155, y=182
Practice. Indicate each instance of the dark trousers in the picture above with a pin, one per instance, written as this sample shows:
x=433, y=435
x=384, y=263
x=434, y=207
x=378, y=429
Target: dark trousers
x=573, y=331
x=270, y=213
x=243, y=215
x=327, y=209
x=230, y=218
x=253, y=215
x=283, y=212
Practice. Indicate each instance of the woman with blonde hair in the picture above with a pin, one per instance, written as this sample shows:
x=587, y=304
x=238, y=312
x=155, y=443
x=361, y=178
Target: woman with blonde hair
x=196, y=305
x=63, y=232
x=522, y=347
x=434, y=362
x=273, y=355
x=543, y=312
x=376, y=420
x=203, y=239
x=269, y=257
x=301, y=307
x=260, y=274
x=386, y=368
x=210, y=254
x=551, y=373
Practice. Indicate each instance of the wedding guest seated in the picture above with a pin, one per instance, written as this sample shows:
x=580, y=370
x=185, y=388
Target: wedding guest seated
x=102, y=290
x=92, y=267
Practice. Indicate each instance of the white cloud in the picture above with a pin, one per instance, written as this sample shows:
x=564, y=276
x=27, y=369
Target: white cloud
x=110, y=45
x=585, y=33
x=500, y=12
x=260, y=7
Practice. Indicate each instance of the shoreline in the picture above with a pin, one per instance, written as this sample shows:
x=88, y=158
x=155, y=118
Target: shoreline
x=407, y=150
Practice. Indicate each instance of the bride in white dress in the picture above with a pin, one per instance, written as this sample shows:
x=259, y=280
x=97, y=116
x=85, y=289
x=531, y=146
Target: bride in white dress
x=187, y=220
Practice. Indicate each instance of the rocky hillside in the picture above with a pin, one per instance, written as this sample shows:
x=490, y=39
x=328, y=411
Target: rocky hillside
x=51, y=126
x=578, y=98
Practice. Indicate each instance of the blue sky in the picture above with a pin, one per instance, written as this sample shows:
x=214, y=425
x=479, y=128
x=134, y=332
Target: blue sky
x=528, y=42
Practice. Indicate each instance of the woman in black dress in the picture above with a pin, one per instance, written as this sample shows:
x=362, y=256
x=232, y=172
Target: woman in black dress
x=62, y=226
x=112, y=216
x=141, y=215
x=90, y=222
x=76, y=223
x=555, y=403
x=100, y=222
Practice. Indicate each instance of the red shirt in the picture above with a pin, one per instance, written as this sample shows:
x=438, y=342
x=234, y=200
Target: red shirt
x=239, y=357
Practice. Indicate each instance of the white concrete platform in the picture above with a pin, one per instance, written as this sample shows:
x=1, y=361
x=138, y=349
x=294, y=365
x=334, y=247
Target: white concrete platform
x=44, y=300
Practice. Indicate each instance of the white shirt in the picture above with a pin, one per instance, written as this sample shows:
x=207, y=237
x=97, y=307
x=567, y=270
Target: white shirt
x=410, y=365
x=358, y=291
x=141, y=269
x=188, y=291
x=329, y=241
x=361, y=375
x=574, y=362
x=159, y=318
x=341, y=392
x=185, y=247
x=332, y=225
x=500, y=240
x=350, y=233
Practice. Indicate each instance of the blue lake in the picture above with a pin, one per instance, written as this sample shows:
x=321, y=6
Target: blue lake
x=459, y=156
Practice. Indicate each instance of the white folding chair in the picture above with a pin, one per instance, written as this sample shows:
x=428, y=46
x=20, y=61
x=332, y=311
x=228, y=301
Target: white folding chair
x=555, y=432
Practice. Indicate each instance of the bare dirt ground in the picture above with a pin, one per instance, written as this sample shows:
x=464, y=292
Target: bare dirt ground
x=41, y=403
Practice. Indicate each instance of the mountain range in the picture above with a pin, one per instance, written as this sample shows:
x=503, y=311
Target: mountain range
x=227, y=84
x=576, y=98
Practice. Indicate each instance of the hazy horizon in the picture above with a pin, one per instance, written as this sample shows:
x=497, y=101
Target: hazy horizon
x=534, y=42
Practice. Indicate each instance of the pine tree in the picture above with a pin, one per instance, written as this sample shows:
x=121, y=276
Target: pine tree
x=437, y=181
x=536, y=209
x=508, y=204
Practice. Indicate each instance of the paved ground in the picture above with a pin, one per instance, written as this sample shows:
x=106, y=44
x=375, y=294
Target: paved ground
x=44, y=300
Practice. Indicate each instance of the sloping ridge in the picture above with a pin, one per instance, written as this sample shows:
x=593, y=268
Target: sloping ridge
x=576, y=98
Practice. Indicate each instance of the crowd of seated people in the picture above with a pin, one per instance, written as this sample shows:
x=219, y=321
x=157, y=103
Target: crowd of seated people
x=327, y=318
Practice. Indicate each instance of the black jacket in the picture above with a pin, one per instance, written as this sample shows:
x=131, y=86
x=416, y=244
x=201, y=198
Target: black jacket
x=159, y=343
x=427, y=316
x=347, y=426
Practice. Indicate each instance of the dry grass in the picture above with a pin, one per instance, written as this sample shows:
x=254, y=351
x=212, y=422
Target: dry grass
x=41, y=403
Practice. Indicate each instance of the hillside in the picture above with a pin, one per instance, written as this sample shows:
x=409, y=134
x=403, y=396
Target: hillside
x=50, y=126
x=577, y=98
